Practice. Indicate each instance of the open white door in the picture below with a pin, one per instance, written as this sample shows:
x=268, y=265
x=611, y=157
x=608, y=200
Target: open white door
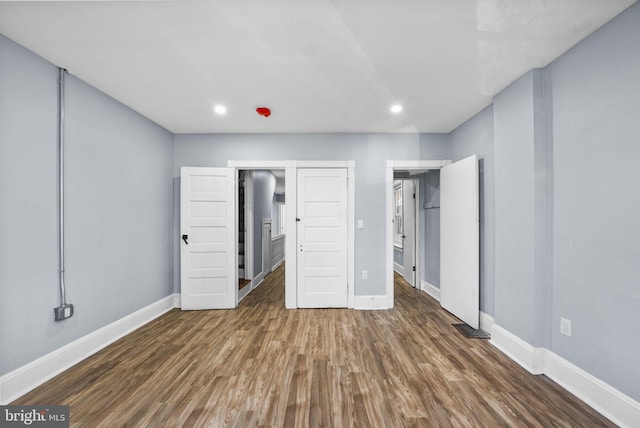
x=460, y=241
x=409, y=223
x=208, y=244
x=322, y=238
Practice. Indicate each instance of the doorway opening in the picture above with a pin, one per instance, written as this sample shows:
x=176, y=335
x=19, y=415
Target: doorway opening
x=261, y=225
x=288, y=225
x=450, y=206
x=416, y=228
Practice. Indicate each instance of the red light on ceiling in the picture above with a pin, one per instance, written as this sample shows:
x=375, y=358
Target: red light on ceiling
x=263, y=111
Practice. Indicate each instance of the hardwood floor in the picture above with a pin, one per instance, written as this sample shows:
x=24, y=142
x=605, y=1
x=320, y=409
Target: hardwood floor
x=262, y=365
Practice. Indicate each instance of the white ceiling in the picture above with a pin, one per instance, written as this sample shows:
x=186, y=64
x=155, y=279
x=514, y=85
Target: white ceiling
x=320, y=65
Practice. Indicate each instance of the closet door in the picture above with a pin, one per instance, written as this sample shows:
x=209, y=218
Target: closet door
x=322, y=238
x=460, y=240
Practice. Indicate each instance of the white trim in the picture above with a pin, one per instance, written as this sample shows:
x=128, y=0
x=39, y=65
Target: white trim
x=602, y=397
x=599, y=395
x=290, y=253
x=257, y=280
x=267, y=247
x=404, y=165
x=372, y=302
x=417, y=164
x=351, y=233
x=430, y=289
x=23, y=379
x=398, y=268
x=486, y=322
x=325, y=164
x=248, y=223
x=529, y=357
x=275, y=241
x=418, y=258
x=244, y=292
x=275, y=266
x=253, y=164
x=390, y=236
x=177, y=302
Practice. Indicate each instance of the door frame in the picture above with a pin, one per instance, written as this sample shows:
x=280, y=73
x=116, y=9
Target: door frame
x=291, y=190
x=414, y=228
x=248, y=224
x=404, y=165
x=266, y=248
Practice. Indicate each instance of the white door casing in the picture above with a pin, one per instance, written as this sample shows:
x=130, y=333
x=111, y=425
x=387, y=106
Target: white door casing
x=322, y=238
x=459, y=240
x=409, y=241
x=208, y=278
x=266, y=247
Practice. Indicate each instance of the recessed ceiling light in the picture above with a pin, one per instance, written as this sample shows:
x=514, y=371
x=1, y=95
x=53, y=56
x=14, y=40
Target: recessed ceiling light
x=220, y=109
x=396, y=108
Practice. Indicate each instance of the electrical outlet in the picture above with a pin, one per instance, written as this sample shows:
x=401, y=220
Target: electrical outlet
x=63, y=312
x=565, y=326
x=365, y=274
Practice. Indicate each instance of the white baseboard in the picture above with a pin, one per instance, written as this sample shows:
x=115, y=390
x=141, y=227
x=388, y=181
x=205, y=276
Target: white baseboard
x=23, y=379
x=529, y=357
x=257, y=280
x=398, y=268
x=177, y=302
x=430, y=289
x=243, y=292
x=371, y=302
x=602, y=397
x=277, y=265
x=486, y=322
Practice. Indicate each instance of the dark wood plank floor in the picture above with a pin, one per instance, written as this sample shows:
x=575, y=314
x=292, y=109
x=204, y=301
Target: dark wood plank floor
x=262, y=365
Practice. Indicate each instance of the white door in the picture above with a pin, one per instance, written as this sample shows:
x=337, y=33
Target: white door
x=322, y=238
x=459, y=240
x=208, y=242
x=409, y=241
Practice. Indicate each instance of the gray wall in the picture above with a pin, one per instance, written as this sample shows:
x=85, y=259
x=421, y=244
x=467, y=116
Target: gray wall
x=430, y=226
x=118, y=195
x=514, y=208
x=475, y=136
x=596, y=247
x=370, y=151
x=264, y=185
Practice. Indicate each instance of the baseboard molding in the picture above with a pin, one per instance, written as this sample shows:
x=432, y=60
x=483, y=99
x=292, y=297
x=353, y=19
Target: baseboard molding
x=486, y=322
x=277, y=265
x=371, y=302
x=22, y=380
x=529, y=357
x=243, y=292
x=430, y=289
x=257, y=280
x=398, y=268
x=602, y=397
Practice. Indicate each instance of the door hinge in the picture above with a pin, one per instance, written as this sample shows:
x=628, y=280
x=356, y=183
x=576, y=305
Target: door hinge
x=414, y=269
x=414, y=196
